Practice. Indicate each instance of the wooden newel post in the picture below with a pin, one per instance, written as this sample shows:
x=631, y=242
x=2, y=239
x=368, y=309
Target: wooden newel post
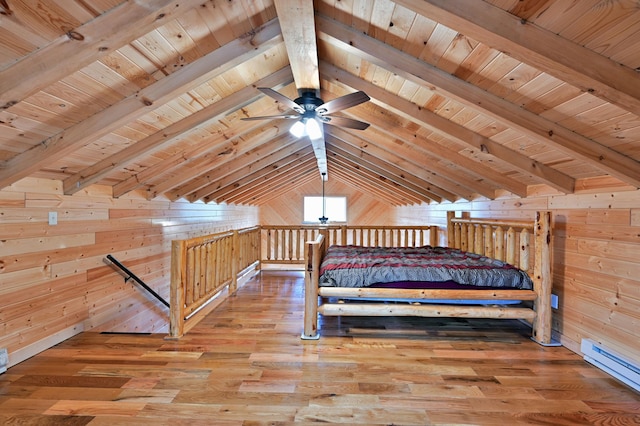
x=178, y=278
x=312, y=255
x=235, y=261
x=543, y=279
x=450, y=229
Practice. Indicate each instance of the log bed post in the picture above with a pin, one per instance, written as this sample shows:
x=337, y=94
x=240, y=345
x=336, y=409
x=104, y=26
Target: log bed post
x=312, y=256
x=542, y=279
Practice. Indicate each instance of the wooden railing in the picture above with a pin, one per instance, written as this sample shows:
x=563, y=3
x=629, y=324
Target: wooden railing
x=285, y=244
x=202, y=267
x=205, y=268
x=509, y=241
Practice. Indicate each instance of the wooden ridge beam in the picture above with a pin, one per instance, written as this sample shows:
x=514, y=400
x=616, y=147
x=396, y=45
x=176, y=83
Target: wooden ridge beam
x=298, y=31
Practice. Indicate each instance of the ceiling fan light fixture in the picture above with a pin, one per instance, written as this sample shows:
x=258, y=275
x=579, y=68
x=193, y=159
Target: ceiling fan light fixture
x=298, y=129
x=307, y=126
x=312, y=129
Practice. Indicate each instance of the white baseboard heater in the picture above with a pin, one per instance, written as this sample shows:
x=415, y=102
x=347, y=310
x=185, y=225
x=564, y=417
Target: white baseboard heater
x=613, y=363
x=4, y=360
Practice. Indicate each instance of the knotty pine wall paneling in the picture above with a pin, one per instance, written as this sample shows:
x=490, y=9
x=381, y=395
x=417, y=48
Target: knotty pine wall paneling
x=54, y=280
x=362, y=208
x=596, y=258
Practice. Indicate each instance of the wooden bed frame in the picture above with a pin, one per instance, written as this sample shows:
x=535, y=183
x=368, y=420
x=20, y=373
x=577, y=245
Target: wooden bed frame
x=505, y=240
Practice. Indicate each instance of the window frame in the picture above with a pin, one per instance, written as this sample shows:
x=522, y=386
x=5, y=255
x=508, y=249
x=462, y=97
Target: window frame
x=316, y=220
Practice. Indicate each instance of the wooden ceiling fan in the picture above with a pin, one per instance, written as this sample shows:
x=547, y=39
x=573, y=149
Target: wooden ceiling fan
x=297, y=24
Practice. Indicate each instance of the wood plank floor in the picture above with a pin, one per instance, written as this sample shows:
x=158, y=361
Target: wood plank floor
x=245, y=365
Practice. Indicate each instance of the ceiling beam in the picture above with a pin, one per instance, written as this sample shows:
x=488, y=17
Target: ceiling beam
x=299, y=33
x=146, y=100
x=387, y=171
x=219, y=143
x=426, y=154
x=86, y=44
x=284, y=189
x=278, y=184
x=376, y=179
x=263, y=177
x=272, y=155
x=405, y=156
x=534, y=126
x=533, y=45
x=168, y=135
x=459, y=133
x=298, y=26
x=201, y=171
x=348, y=173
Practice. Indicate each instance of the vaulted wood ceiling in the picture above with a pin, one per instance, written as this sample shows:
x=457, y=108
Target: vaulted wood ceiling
x=469, y=98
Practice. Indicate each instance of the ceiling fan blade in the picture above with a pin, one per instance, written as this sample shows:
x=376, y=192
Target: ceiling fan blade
x=271, y=117
x=343, y=102
x=281, y=98
x=345, y=122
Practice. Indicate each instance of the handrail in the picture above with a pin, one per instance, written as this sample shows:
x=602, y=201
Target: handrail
x=207, y=269
x=138, y=280
x=284, y=244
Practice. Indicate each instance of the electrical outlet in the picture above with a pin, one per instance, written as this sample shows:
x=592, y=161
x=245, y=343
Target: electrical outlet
x=554, y=301
x=53, y=218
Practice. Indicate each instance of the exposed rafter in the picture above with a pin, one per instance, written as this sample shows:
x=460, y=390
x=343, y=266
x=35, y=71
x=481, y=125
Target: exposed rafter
x=533, y=125
x=533, y=45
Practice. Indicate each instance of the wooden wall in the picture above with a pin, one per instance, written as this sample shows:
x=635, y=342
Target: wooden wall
x=54, y=281
x=362, y=209
x=596, y=251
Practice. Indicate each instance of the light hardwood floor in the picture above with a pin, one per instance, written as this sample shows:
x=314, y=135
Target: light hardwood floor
x=245, y=365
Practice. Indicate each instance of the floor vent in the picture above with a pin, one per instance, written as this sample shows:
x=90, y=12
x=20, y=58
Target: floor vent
x=613, y=363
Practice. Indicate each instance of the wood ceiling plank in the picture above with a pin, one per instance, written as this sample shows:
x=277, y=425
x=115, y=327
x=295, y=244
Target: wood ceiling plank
x=263, y=178
x=402, y=154
x=279, y=184
x=168, y=134
x=93, y=40
x=605, y=159
x=377, y=179
x=137, y=105
x=449, y=128
x=389, y=172
x=200, y=171
x=536, y=46
x=228, y=173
